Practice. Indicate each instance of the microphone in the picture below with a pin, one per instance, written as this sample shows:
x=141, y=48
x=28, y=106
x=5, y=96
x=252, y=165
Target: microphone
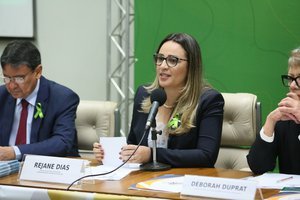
x=158, y=97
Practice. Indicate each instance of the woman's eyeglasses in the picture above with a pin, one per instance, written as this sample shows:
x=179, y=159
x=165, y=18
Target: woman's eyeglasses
x=171, y=61
x=287, y=80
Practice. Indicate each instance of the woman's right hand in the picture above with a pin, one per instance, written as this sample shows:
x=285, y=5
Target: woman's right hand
x=98, y=151
x=271, y=120
x=290, y=106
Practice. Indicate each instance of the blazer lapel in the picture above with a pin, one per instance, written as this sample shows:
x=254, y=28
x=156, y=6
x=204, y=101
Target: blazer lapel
x=7, y=122
x=42, y=98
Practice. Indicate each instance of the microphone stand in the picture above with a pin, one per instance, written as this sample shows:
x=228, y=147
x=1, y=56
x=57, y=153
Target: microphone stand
x=154, y=165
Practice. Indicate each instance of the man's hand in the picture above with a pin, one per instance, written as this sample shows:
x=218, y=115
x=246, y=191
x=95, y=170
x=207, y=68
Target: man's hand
x=7, y=153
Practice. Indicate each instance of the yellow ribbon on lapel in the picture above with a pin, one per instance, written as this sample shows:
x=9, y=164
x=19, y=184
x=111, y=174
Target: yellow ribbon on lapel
x=39, y=112
x=175, y=122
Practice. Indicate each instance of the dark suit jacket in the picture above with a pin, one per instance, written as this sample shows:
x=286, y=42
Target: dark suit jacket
x=286, y=147
x=53, y=135
x=197, y=148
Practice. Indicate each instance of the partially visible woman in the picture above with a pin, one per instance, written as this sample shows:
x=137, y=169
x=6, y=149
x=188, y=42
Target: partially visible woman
x=280, y=136
x=191, y=118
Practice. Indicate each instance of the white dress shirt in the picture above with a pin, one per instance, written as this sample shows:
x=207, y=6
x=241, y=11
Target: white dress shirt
x=31, y=99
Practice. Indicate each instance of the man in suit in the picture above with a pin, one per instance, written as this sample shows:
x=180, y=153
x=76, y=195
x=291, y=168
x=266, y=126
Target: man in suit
x=50, y=107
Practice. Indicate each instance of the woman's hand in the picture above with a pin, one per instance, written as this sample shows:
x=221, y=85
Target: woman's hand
x=98, y=151
x=290, y=107
x=271, y=120
x=142, y=155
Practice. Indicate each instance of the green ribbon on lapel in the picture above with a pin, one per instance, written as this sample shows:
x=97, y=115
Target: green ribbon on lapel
x=174, y=122
x=39, y=112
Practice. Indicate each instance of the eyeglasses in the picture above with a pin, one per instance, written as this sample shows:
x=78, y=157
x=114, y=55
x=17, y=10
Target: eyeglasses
x=171, y=61
x=287, y=80
x=16, y=79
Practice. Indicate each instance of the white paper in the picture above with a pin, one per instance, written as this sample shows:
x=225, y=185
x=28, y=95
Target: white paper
x=116, y=175
x=112, y=147
x=273, y=180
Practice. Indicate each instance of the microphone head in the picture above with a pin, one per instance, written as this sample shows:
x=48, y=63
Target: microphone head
x=158, y=95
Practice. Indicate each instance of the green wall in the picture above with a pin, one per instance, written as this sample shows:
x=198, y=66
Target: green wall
x=245, y=43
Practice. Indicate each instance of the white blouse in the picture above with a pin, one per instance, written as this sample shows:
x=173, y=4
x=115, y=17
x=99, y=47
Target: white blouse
x=162, y=140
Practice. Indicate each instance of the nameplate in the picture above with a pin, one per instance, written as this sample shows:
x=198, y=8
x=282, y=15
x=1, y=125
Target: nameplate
x=51, y=169
x=224, y=188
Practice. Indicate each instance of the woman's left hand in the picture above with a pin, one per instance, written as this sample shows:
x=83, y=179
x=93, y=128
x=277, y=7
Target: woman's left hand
x=142, y=155
x=290, y=106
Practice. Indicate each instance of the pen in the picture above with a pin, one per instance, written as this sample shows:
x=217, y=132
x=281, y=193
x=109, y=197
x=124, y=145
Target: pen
x=284, y=179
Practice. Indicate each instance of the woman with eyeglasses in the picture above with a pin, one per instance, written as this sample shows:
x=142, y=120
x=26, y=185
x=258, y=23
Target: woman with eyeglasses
x=191, y=118
x=280, y=136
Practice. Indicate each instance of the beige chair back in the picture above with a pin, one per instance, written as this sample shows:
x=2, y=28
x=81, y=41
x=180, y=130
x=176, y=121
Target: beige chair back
x=95, y=119
x=241, y=123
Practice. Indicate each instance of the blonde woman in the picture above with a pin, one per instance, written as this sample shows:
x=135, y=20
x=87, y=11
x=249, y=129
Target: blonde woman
x=280, y=135
x=190, y=119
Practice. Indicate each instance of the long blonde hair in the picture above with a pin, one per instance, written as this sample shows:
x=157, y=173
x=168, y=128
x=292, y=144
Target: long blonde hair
x=187, y=103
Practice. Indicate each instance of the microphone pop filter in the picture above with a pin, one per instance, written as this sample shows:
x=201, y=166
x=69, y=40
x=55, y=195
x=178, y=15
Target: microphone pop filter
x=158, y=95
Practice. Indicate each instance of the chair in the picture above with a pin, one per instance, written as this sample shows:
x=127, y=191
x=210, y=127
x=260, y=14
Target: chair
x=95, y=119
x=241, y=123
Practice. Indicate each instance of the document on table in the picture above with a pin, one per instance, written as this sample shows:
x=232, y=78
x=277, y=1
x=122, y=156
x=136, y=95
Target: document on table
x=276, y=180
x=164, y=183
x=101, y=170
x=112, y=146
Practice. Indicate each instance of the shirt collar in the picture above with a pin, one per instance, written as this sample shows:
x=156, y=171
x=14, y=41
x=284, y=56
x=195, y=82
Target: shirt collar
x=32, y=97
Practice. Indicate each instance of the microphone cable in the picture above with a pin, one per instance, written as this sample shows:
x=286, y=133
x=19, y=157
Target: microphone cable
x=105, y=173
x=158, y=95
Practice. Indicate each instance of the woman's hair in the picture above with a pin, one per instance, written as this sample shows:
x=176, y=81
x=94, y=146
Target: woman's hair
x=294, y=59
x=187, y=102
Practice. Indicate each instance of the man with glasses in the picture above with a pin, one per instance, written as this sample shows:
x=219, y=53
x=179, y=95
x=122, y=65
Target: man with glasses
x=37, y=116
x=280, y=136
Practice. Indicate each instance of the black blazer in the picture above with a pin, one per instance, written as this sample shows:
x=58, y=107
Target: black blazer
x=197, y=148
x=285, y=147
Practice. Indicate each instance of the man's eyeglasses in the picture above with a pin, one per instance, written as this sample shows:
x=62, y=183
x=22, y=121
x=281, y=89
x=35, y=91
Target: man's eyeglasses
x=287, y=80
x=171, y=61
x=16, y=79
